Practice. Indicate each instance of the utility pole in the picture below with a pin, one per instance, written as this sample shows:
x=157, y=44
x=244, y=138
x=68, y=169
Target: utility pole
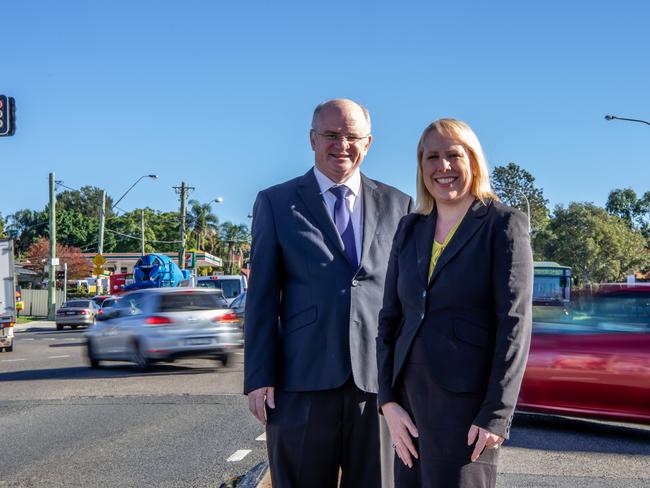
x=100, y=237
x=51, y=283
x=65, y=282
x=182, y=190
x=102, y=222
x=142, y=232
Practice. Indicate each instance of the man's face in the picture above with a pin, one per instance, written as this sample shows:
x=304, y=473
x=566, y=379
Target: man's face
x=340, y=140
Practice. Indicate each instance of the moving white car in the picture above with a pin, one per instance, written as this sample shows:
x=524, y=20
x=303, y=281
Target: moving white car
x=162, y=324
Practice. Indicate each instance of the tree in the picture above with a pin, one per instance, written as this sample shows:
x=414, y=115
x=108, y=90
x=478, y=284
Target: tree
x=26, y=226
x=2, y=225
x=511, y=183
x=74, y=229
x=599, y=247
x=635, y=212
x=38, y=255
x=86, y=201
x=235, y=245
x=201, y=221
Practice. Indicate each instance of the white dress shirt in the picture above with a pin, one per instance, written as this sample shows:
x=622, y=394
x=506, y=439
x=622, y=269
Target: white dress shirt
x=353, y=200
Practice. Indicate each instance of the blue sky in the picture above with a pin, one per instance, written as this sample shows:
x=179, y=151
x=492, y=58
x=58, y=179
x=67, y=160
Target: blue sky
x=220, y=94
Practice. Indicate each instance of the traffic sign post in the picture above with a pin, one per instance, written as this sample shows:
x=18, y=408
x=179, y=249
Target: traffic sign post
x=99, y=260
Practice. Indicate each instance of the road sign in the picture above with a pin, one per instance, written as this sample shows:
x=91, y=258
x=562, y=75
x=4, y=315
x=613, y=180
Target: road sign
x=99, y=260
x=98, y=270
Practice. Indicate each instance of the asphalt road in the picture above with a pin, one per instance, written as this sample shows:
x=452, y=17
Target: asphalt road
x=186, y=424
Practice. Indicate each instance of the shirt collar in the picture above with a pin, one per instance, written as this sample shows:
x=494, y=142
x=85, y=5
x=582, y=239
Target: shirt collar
x=324, y=183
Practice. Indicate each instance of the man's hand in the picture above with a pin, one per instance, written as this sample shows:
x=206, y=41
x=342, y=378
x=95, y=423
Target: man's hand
x=256, y=399
x=484, y=440
x=401, y=429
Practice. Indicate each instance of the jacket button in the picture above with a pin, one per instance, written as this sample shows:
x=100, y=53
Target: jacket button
x=424, y=294
x=422, y=316
x=355, y=282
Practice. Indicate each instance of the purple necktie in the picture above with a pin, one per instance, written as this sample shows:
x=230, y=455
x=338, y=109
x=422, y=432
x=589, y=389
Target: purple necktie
x=343, y=223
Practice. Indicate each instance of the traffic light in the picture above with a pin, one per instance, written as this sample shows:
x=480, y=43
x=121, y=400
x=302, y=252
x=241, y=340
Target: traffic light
x=7, y=116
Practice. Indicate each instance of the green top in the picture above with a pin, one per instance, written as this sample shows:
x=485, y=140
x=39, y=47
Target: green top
x=437, y=248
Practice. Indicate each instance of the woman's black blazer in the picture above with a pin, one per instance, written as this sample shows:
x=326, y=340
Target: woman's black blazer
x=477, y=308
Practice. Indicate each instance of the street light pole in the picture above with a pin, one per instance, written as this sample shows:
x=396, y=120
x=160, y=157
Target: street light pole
x=153, y=177
x=615, y=117
x=142, y=232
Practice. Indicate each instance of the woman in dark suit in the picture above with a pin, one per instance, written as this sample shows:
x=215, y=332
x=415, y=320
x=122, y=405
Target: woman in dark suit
x=454, y=330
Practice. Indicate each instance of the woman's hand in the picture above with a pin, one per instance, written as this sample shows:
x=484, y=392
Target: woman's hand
x=401, y=429
x=484, y=440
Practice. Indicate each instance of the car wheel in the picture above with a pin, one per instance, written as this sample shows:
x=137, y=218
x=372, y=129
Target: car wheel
x=92, y=358
x=138, y=357
x=224, y=358
x=59, y=326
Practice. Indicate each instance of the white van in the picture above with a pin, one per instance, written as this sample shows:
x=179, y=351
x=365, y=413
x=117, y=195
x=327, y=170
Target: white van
x=230, y=285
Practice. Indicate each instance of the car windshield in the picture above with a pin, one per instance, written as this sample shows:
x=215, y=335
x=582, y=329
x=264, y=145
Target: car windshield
x=109, y=302
x=608, y=313
x=178, y=302
x=230, y=287
x=77, y=304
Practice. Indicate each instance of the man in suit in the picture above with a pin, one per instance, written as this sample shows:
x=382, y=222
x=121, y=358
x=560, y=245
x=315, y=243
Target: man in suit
x=318, y=262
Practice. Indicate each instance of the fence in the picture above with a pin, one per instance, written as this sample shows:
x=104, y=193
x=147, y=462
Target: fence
x=36, y=302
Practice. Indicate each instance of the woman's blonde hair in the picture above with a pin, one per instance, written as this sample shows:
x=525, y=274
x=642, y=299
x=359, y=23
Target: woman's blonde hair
x=461, y=132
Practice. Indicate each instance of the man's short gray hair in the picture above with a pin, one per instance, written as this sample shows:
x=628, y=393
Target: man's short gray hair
x=324, y=104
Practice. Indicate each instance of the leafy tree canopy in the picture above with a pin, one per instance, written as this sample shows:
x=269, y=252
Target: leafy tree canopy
x=513, y=185
x=599, y=247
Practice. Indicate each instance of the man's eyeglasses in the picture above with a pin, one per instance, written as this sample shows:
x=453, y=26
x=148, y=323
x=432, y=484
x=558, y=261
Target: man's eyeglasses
x=334, y=136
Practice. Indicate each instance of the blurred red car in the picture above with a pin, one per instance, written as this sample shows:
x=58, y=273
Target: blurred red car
x=592, y=359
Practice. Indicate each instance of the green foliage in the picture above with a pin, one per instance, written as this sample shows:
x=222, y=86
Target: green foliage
x=235, y=246
x=512, y=183
x=201, y=221
x=86, y=201
x=26, y=227
x=2, y=225
x=635, y=212
x=74, y=229
x=599, y=247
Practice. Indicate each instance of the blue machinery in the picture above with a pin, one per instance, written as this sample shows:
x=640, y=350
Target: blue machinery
x=157, y=271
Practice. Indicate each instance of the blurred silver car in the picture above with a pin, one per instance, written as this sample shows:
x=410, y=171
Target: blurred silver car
x=75, y=313
x=163, y=324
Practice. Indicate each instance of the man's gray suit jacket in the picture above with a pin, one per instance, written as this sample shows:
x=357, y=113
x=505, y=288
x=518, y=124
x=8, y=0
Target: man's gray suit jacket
x=311, y=320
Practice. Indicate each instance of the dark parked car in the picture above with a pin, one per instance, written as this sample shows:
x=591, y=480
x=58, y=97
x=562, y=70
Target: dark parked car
x=592, y=359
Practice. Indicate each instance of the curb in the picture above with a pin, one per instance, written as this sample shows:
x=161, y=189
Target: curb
x=256, y=477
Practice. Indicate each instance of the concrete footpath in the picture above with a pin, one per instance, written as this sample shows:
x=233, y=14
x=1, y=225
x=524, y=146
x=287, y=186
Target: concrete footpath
x=39, y=324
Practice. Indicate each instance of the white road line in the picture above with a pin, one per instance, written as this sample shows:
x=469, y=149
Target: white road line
x=239, y=353
x=11, y=360
x=26, y=339
x=261, y=438
x=238, y=455
x=57, y=357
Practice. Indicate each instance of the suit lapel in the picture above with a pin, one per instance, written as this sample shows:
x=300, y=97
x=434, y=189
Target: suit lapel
x=425, y=230
x=371, y=208
x=470, y=224
x=309, y=191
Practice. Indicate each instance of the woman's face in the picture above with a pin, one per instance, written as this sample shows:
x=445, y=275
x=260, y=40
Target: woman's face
x=446, y=169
